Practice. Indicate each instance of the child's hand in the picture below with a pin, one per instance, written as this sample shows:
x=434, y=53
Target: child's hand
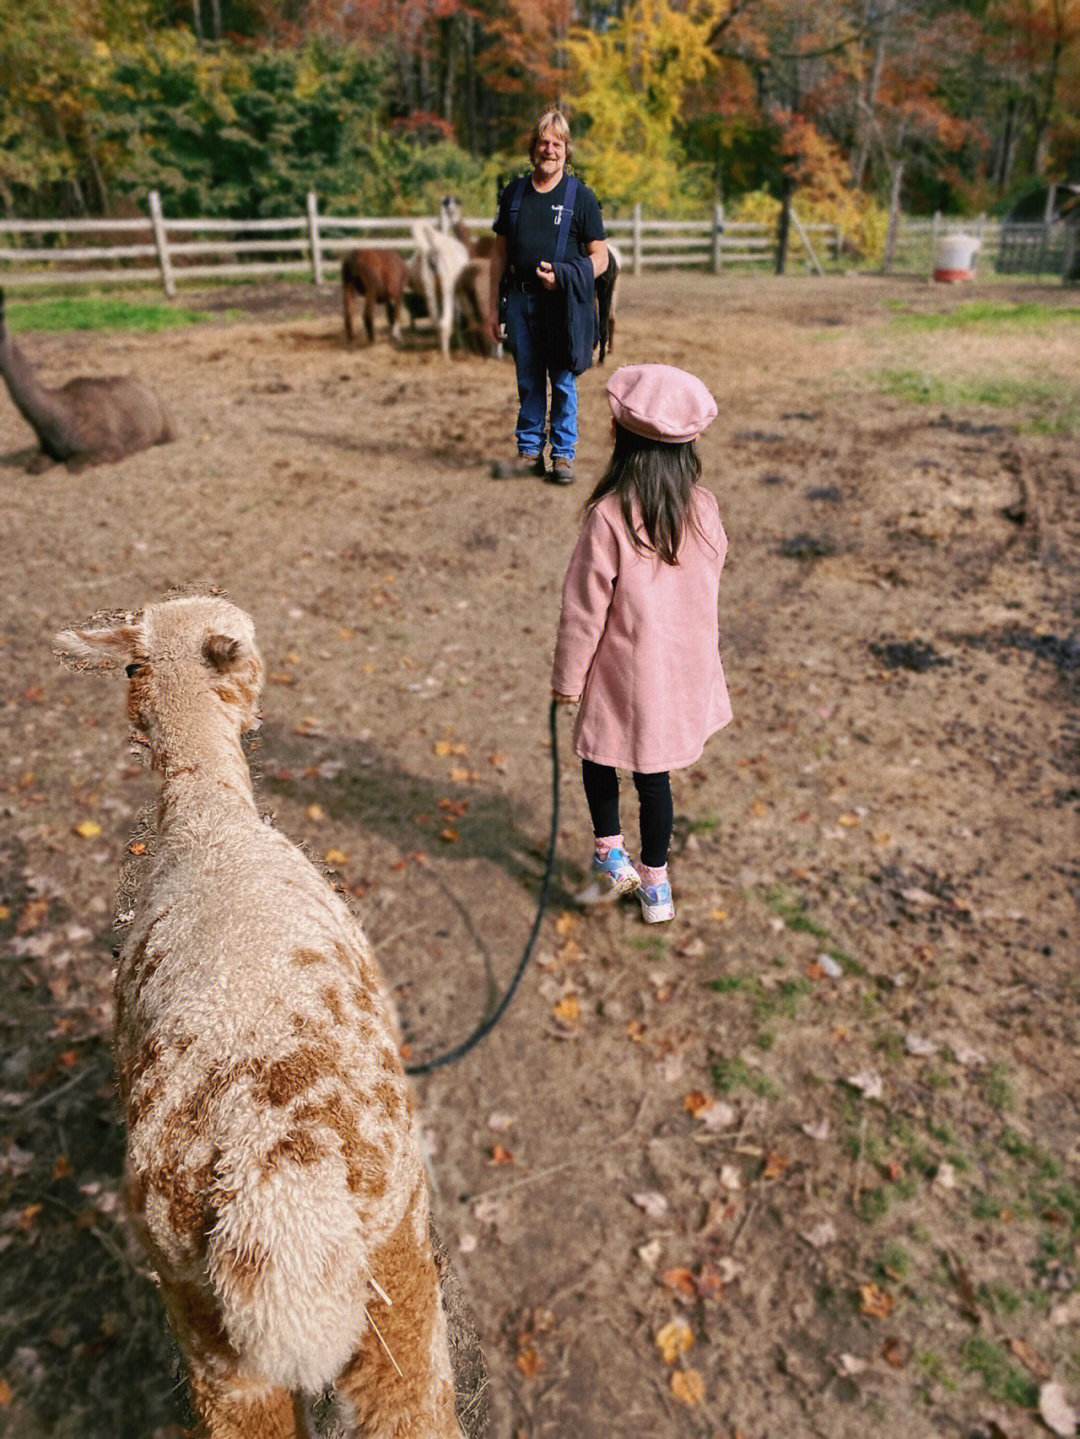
x=564, y=699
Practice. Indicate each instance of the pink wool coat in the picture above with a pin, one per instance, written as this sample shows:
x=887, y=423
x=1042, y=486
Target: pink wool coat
x=639, y=641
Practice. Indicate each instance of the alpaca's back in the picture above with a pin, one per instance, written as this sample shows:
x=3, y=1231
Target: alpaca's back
x=270, y=1145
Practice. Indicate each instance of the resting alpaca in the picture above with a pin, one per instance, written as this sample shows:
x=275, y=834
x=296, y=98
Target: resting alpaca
x=86, y=421
x=380, y=276
x=273, y=1168
x=435, y=270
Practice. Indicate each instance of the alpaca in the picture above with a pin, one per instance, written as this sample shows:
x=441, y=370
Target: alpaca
x=274, y=1173
x=381, y=277
x=87, y=421
x=435, y=270
x=472, y=303
x=480, y=247
x=605, y=301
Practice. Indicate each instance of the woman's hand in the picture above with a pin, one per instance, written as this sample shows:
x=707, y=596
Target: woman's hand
x=565, y=699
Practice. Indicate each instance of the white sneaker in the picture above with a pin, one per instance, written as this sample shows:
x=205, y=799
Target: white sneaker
x=610, y=878
x=656, y=903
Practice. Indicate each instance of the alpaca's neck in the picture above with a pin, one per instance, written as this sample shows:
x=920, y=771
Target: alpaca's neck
x=203, y=767
x=37, y=404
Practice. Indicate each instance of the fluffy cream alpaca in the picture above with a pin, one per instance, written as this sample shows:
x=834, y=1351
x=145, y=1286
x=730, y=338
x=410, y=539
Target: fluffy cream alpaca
x=434, y=272
x=274, y=1173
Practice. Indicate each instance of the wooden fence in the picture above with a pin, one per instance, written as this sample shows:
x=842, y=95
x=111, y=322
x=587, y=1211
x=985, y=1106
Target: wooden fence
x=180, y=249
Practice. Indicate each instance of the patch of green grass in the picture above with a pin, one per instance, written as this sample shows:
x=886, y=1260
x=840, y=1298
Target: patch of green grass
x=732, y=1074
x=872, y=1205
x=728, y=984
x=987, y=315
x=1001, y=1378
x=894, y=1262
x=705, y=825
x=1043, y=1162
x=1052, y=406
x=985, y=1206
x=998, y=1089
x=98, y=312
x=934, y=1368
x=1001, y=1298
x=792, y=911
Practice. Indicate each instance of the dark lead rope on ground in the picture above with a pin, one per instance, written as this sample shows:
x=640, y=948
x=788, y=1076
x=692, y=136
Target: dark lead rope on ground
x=492, y=1020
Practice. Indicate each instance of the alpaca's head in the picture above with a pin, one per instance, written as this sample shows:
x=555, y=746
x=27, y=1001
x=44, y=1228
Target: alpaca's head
x=178, y=655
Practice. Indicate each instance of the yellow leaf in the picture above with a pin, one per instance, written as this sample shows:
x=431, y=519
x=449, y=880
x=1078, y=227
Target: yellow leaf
x=530, y=1363
x=849, y=821
x=566, y=923
x=7, y=1394
x=336, y=856
x=568, y=1009
x=450, y=835
x=759, y=809
x=674, y=1339
x=878, y=1303
x=695, y=1102
x=445, y=747
x=89, y=829
x=5, y=912
x=719, y=915
x=315, y=812
x=687, y=1386
x=458, y=775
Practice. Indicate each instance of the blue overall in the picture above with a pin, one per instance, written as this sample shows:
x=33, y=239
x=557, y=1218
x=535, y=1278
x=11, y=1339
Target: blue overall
x=533, y=319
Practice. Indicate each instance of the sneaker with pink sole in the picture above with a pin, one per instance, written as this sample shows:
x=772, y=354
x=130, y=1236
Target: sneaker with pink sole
x=610, y=878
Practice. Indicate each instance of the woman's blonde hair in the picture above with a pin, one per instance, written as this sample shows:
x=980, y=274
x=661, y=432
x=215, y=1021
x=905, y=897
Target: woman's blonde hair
x=551, y=120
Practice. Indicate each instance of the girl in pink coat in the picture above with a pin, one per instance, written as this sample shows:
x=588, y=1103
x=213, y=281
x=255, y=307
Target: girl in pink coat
x=638, y=642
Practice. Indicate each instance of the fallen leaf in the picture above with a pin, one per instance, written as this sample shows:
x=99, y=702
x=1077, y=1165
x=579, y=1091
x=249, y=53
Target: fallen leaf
x=136, y=847
x=501, y=1155
x=945, y=1178
x=1031, y=1361
x=674, y=1339
x=498, y=761
x=896, y=1351
x=681, y=1281
x=500, y=1122
x=969, y=1058
x=566, y=923
x=730, y=1176
x=868, y=1082
x=649, y=1254
x=568, y=1009
x=281, y=677
x=69, y=1059
x=315, y=812
x=635, y=1031
x=776, y=1164
x=654, y=1205
x=687, y=1386
x=849, y=821
x=88, y=829
x=445, y=747
x=530, y=1363
x=460, y=775
x=830, y=967
x=719, y=915
x=821, y=1234
x=717, y=1116
x=7, y=1394
x=695, y=1102
x=919, y=1046
x=449, y=835
x=819, y=1131
x=851, y=1364
x=5, y=913
x=309, y=728
x=63, y=1168
x=877, y=1303
x=35, y=913
x=336, y=856
x=710, y=1282
x=1058, y=1415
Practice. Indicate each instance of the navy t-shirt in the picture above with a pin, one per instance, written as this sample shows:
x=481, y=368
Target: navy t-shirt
x=538, y=220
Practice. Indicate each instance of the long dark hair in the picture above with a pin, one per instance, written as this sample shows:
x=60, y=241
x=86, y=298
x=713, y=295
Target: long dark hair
x=660, y=477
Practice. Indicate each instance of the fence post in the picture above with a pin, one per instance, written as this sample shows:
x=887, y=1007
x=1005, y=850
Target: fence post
x=934, y=228
x=313, y=236
x=161, y=242
x=838, y=244
x=636, y=240
x=717, y=238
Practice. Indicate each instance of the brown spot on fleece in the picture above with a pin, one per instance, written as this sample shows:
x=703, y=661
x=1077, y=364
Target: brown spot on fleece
x=304, y=957
x=242, y=1269
x=365, y=1164
x=286, y=1079
x=232, y=1407
x=405, y=1268
x=299, y=1146
x=331, y=997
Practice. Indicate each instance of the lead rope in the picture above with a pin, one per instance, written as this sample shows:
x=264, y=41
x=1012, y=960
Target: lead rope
x=504, y=1004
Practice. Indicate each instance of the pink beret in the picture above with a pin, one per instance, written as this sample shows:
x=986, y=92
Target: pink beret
x=660, y=402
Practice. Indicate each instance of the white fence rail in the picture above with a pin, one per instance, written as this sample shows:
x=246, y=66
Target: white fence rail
x=180, y=248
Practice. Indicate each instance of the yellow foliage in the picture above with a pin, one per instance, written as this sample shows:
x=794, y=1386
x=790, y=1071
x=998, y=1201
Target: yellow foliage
x=630, y=85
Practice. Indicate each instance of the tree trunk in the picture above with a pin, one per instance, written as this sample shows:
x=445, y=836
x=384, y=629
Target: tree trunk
x=196, y=19
x=870, y=99
x=894, y=214
x=215, y=18
x=784, y=228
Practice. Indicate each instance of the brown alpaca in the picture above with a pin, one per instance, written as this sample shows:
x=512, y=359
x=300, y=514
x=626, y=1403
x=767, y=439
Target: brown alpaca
x=87, y=421
x=274, y=1171
x=471, y=303
x=479, y=247
x=380, y=276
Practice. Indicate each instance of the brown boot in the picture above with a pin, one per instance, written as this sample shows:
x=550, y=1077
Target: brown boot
x=562, y=470
x=525, y=467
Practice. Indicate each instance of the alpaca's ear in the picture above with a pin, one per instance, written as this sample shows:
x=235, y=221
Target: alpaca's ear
x=96, y=649
x=223, y=653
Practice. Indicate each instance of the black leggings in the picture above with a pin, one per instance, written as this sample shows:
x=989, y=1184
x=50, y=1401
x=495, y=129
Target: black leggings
x=654, y=796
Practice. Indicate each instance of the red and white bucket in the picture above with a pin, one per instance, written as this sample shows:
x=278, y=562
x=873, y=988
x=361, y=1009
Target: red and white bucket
x=954, y=258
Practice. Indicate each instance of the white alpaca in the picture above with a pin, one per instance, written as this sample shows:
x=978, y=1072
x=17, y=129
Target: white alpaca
x=434, y=271
x=273, y=1166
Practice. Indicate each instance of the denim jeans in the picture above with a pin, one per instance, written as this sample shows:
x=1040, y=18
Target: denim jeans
x=533, y=334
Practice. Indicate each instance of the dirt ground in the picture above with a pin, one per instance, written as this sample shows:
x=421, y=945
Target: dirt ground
x=804, y=1162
